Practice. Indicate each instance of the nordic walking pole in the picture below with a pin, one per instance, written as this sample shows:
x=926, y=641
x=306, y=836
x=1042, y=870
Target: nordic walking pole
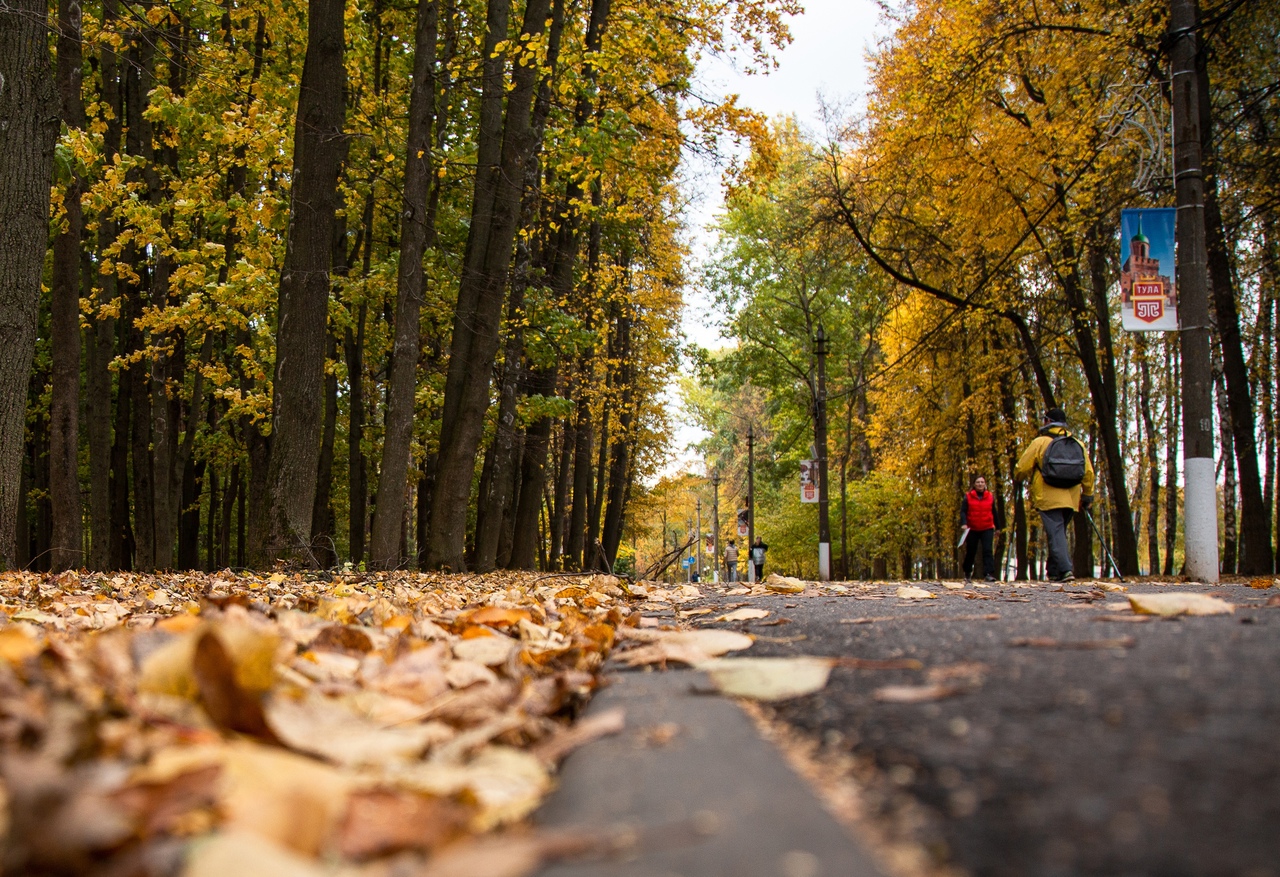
x=1103, y=542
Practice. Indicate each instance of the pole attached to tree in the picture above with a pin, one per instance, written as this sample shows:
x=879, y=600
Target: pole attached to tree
x=1201, y=509
x=751, y=500
x=820, y=443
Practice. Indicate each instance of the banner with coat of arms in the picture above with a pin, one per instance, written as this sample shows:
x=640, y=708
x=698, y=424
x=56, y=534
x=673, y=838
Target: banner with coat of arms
x=808, y=480
x=1148, y=294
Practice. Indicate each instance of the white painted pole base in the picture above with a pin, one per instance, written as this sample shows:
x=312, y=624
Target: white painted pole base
x=1200, y=519
x=824, y=561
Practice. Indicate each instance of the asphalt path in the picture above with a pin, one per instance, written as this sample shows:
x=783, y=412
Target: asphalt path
x=1058, y=734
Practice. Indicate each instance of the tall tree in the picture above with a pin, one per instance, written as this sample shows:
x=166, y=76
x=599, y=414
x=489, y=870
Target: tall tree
x=64, y=402
x=504, y=145
x=302, y=308
x=29, y=108
x=416, y=232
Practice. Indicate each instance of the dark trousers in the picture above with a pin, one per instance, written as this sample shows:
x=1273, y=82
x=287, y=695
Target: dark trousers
x=1055, y=523
x=986, y=539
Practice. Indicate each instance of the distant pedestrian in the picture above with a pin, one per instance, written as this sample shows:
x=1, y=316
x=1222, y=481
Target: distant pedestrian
x=1062, y=478
x=758, y=548
x=980, y=517
x=731, y=561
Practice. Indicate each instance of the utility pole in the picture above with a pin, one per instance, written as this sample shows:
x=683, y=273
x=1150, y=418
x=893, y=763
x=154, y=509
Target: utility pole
x=715, y=525
x=1200, y=497
x=820, y=440
x=751, y=500
x=699, y=548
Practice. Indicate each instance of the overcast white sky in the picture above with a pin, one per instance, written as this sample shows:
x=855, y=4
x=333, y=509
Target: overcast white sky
x=827, y=57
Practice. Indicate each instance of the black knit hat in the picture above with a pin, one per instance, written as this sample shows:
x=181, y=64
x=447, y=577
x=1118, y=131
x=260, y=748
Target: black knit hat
x=1055, y=415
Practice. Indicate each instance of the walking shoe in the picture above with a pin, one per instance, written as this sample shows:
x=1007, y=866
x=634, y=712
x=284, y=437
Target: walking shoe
x=990, y=578
x=967, y=580
x=1065, y=578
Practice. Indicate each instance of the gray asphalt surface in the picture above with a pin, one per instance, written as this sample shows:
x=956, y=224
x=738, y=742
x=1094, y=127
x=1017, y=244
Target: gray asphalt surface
x=1159, y=756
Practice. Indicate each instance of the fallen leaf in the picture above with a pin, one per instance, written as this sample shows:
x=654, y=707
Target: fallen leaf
x=246, y=855
x=1045, y=642
x=1170, y=605
x=592, y=727
x=17, y=644
x=917, y=693
x=342, y=638
x=685, y=646
x=769, y=679
x=505, y=856
x=969, y=671
x=783, y=584
x=488, y=650
x=953, y=586
x=226, y=701
x=1261, y=583
x=911, y=592
x=332, y=729
x=383, y=821
x=746, y=614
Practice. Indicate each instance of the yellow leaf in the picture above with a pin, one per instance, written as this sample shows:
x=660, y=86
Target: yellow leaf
x=1169, y=605
x=769, y=678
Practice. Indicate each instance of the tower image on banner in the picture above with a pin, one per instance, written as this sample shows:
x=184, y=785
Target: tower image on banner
x=1148, y=295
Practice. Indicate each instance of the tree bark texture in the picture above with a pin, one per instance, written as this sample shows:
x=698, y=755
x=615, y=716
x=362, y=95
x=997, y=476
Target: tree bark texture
x=64, y=402
x=298, y=388
x=29, y=112
x=384, y=542
x=1255, y=516
x=494, y=217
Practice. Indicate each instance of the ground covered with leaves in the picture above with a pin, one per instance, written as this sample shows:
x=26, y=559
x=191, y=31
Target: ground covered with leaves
x=289, y=724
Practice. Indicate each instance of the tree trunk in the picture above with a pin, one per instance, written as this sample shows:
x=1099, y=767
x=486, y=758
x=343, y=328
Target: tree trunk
x=322, y=524
x=64, y=402
x=1152, y=457
x=581, y=484
x=302, y=309
x=411, y=283
x=494, y=217
x=357, y=474
x=620, y=449
x=1255, y=518
x=1171, y=427
x=1230, y=534
x=29, y=106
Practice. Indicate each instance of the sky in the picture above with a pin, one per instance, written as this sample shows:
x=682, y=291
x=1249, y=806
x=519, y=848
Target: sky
x=826, y=61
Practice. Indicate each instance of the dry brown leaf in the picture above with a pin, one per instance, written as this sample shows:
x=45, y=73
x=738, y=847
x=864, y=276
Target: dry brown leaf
x=769, y=679
x=911, y=592
x=488, y=650
x=227, y=702
x=244, y=854
x=383, y=821
x=1046, y=642
x=1261, y=584
x=1170, y=605
x=917, y=693
x=746, y=614
x=332, y=729
x=593, y=727
x=686, y=646
x=783, y=584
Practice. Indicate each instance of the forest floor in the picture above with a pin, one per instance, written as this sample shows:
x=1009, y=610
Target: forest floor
x=996, y=729
x=411, y=725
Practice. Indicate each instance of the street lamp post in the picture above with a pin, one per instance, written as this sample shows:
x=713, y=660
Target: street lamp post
x=820, y=440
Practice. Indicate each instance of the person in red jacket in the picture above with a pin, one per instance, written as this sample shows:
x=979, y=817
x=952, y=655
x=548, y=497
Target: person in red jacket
x=980, y=516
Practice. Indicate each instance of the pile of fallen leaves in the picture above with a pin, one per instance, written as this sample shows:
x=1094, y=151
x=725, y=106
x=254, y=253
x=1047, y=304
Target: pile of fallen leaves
x=245, y=724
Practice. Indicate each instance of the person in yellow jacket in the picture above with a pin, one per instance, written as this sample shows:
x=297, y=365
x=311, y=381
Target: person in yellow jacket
x=1056, y=504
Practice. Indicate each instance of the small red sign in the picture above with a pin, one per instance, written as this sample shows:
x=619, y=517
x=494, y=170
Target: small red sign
x=1148, y=301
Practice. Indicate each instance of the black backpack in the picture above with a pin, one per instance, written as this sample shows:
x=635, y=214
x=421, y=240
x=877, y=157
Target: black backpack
x=1063, y=462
